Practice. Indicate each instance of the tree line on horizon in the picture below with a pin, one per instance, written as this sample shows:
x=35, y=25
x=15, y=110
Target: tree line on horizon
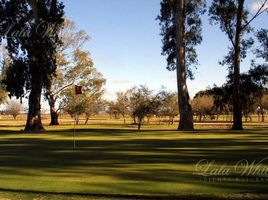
x=142, y=104
x=52, y=59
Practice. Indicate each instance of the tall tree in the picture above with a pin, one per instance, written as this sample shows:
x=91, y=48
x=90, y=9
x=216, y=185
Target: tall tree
x=91, y=81
x=4, y=62
x=181, y=30
x=73, y=66
x=70, y=66
x=234, y=20
x=32, y=53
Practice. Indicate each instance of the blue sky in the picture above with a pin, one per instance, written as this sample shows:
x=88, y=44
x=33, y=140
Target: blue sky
x=125, y=44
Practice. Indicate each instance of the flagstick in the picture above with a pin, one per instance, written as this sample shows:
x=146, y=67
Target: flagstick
x=78, y=90
x=74, y=129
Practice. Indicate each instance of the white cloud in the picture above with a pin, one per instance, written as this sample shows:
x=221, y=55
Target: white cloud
x=255, y=6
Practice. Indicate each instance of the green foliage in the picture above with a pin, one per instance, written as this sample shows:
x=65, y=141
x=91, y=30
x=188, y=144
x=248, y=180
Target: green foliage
x=262, y=51
x=3, y=95
x=74, y=66
x=264, y=102
x=224, y=14
x=89, y=103
x=193, y=10
x=31, y=29
x=234, y=21
x=142, y=103
x=253, y=87
x=168, y=104
x=73, y=62
x=32, y=55
x=120, y=106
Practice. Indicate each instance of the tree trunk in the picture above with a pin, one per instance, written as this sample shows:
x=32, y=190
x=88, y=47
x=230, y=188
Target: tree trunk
x=34, y=122
x=124, y=118
x=185, y=109
x=87, y=118
x=53, y=114
x=139, y=124
x=76, y=119
x=237, y=111
x=262, y=115
x=134, y=120
x=54, y=121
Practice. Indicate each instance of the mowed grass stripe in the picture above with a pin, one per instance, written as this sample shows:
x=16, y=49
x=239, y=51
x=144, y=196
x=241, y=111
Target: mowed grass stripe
x=126, y=162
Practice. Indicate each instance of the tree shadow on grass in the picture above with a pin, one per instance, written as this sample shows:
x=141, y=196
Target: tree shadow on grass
x=133, y=159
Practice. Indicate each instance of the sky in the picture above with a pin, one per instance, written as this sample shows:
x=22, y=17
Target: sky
x=126, y=45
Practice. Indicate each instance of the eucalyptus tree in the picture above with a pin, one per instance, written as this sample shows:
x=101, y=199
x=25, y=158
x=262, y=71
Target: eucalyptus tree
x=87, y=77
x=73, y=64
x=234, y=20
x=31, y=29
x=181, y=31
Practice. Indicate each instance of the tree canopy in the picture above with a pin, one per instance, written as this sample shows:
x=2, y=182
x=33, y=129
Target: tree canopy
x=33, y=59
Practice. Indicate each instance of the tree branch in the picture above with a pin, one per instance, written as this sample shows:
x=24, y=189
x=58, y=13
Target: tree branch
x=33, y=4
x=62, y=88
x=53, y=8
x=229, y=33
x=258, y=13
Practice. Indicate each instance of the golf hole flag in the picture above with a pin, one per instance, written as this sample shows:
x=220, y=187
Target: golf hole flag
x=78, y=89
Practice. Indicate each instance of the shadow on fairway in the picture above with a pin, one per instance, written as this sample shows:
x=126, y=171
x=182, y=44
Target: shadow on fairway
x=52, y=151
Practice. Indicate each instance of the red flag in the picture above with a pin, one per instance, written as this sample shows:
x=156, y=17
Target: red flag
x=78, y=89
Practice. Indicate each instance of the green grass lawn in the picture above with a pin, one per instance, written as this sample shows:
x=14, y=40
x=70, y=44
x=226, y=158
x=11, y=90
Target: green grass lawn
x=121, y=162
